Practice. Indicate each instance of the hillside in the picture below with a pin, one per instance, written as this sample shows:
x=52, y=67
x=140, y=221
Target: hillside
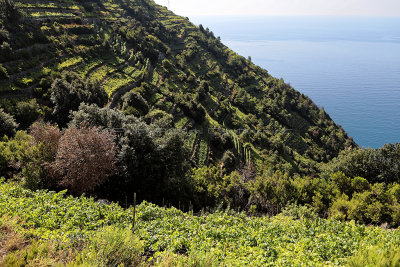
x=152, y=63
x=106, y=104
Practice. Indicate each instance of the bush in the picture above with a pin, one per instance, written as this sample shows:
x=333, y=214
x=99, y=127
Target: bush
x=380, y=255
x=153, y=160
x=273, y=192
x=3, y=72
x=27, y=112
x=113, y=246
x=8, y=125
x=42, y=151
x=85, y=159
x=360, y=184
x=70, y=91
x=137, y=102
x=375, y=165
x=48, y=135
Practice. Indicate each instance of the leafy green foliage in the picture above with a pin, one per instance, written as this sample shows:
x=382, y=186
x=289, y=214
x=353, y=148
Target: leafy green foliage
x=262, y=155
x=135, y=104
x=3, y=72
x=379, y=255
x=8, y=125
x=375, y=165
x=113, y=246
x=119, y=45
x=152, y=158
x=226, y=238
x=69, y=91
x=14, y=152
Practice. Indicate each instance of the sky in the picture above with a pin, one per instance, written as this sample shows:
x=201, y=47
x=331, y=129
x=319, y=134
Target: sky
x=283, y=7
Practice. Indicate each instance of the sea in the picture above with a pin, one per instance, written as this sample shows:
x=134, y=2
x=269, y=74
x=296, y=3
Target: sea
x=348, y=65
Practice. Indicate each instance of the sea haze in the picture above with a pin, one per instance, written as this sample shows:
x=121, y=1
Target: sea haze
x=348, y=65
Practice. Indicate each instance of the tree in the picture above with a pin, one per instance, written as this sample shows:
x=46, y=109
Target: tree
x=375, y=165
x=93, y=115
x=68, y=92
x=135, y=104
x=8, y=125
x=48, y=135
x=42, y=151
x=85, y=158
x=26, y=112
x=3, y=72
x=153, y=160
x=8, y=11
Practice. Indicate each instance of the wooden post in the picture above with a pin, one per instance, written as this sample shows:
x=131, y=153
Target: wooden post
x=134, y=212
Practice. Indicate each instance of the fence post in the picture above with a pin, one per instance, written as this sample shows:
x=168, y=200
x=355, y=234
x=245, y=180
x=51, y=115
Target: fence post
x=134, y=212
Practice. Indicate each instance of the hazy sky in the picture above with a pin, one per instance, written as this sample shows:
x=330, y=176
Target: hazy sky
x=284, y=7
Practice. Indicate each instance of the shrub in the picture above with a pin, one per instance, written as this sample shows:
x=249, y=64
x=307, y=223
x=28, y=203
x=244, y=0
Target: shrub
x=152, y=161
x=379, y=256
x=27, y=112
x=272, y=193
x=42, y=151
x=48, y=135
x=3, y=72
x=70, y=91
x=85, y=158
x=113, y=246
x=360, y=184
x=342, y=182
x=135, y=100
x=375, y=165
x=8, y=125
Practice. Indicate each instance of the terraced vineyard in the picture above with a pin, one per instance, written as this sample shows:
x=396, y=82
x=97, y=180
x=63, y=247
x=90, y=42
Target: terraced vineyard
x=176, y=66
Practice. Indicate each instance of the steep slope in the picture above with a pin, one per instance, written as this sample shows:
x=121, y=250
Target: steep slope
x=233, y=110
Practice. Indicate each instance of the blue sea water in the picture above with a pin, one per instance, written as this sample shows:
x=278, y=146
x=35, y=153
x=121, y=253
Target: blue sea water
x=348, y=65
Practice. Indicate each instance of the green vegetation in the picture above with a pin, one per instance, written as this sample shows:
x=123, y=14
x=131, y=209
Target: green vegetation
x=118, y=45
x=168, y=235
x=69, y=62
x=111, y=97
